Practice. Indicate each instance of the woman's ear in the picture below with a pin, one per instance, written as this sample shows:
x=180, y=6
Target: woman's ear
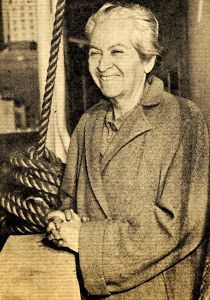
x=149, y=64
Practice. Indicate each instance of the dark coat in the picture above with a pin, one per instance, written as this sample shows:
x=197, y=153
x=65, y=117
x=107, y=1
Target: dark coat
x=146, y=200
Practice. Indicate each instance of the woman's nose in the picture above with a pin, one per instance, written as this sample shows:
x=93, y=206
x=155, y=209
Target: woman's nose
x=104, y=63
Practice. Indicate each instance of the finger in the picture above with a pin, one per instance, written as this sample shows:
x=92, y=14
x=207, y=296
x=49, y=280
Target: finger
x=50, y=227
x=67, y=213
x=57, y=222
x=51, y=214
x=56, y=234
x=56, y=213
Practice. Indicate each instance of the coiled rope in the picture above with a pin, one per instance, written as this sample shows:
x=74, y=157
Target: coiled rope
x=38, y=170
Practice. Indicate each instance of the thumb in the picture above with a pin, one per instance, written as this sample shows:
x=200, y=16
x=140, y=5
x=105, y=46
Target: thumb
x=56, y=214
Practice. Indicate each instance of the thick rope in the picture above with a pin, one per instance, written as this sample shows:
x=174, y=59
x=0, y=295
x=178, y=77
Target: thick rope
x=52, y=201
x=28, y=204
x=45, y=183
x=18, y=228
x=40, y=169
x=9, y=203
x=50, y=80
x=21, y=160
x=24, y=178
x=22, y=229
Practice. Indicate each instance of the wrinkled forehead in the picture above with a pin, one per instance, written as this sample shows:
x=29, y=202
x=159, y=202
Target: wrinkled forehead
x=109, y=31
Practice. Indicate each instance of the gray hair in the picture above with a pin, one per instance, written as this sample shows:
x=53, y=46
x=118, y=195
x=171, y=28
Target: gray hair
x=144, y=21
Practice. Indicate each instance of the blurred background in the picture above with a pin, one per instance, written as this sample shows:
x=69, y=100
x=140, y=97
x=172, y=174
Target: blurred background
x=25, y=33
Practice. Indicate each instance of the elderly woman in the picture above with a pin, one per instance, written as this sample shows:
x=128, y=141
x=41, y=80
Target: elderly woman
x=135, y=187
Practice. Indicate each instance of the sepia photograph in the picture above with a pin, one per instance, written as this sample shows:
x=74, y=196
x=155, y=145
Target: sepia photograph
x=104, y=149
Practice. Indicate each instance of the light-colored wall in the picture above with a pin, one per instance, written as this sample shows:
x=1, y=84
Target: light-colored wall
x=199, y=54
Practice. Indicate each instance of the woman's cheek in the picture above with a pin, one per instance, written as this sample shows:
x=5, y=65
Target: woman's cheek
x=95, y=78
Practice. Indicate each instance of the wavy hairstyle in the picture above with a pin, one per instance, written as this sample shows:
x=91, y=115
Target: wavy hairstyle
x=144, y=36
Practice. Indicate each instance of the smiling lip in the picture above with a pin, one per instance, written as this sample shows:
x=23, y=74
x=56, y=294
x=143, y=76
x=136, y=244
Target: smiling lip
x=108, y=77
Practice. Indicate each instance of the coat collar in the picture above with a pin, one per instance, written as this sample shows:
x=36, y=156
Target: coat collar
x=154, y=94
x=135, y=124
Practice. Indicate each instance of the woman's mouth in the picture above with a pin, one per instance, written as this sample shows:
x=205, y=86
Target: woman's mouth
x=108, y=77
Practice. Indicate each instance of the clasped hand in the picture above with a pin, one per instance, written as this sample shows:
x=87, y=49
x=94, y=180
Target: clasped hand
x=63, y=228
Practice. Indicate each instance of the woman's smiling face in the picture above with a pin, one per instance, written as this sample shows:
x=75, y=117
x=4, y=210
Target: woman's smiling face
x=114, y=63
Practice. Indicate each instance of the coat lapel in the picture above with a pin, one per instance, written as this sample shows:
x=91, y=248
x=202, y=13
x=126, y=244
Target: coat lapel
x=137, y=122
x=93, y=139
x=134, y=125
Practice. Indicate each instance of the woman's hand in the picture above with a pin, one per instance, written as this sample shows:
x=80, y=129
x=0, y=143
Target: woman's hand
x=69, y=232
x=55, y=219
x=63, y=228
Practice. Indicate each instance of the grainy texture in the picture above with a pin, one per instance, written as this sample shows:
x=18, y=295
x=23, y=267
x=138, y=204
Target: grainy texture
x=32, y=271
x=146, y=200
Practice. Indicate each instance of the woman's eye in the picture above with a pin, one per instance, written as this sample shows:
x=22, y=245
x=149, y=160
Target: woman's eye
x=117, y=52
x=93, y=53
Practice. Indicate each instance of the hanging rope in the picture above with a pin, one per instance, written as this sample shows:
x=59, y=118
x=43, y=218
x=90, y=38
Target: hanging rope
x=39, y=169
x=51, y=73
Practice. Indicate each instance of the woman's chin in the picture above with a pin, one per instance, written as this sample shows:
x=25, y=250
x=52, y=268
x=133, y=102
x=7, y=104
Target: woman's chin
x=110, y=93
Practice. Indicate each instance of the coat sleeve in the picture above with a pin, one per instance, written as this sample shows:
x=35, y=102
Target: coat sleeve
x=69, y=182
x=116, y=256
